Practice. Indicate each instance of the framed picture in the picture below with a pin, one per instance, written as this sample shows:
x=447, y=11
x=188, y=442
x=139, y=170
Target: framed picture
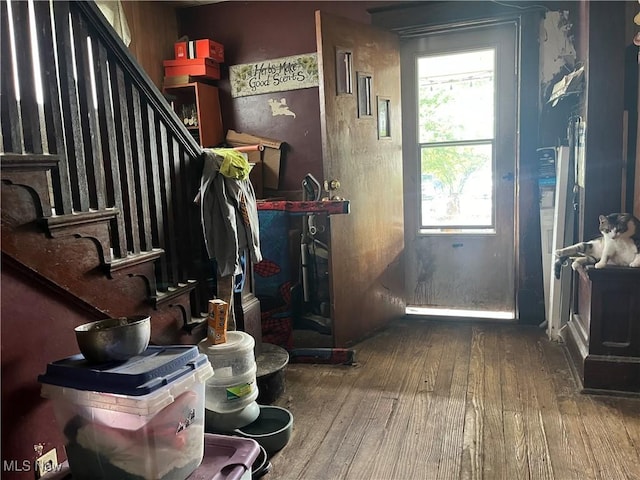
x=384, y=122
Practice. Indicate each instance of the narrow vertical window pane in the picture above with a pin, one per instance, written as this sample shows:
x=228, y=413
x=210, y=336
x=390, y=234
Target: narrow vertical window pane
x=456, y=122
x=344, y=66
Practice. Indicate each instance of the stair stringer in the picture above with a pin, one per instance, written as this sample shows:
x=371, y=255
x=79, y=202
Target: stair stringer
x=73, y=252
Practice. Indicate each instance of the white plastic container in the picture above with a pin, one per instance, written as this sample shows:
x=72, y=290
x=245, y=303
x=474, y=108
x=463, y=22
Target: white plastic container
x=233, y=358
x=230, y=394
x=141, y=419
x=233, y=385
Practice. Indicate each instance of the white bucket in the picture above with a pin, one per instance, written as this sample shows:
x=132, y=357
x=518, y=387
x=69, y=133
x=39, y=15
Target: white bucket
x=233, y=385
x=233, y=393
x=230, y=359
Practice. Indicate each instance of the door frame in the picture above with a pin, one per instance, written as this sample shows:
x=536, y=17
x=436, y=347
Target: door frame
x=415, y=20
x=485, y=249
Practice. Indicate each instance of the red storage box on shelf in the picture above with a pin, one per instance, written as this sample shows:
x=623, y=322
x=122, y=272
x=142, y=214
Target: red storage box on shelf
x=203, y=48
x=196, y=67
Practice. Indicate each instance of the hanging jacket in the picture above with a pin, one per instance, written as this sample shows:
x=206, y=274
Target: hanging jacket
x=229, y=215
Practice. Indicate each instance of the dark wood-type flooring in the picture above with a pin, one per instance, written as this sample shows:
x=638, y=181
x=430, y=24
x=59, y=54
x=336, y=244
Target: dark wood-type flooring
x=449, y=400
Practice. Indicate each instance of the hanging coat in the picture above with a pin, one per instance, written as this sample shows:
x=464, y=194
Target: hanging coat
x=229, y=215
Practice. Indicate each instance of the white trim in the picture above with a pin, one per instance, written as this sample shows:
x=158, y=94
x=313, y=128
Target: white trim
x=451, y=312
x=556, y=310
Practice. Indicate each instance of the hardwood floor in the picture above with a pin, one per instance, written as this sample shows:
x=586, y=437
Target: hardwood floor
x=445, y=400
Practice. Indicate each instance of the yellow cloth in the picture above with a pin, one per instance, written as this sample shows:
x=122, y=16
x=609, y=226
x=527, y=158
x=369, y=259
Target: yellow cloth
x=234, y=163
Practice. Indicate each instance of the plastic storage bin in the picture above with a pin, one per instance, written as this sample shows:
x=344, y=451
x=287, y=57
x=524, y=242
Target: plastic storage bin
x=226, y=458
x=142, y=419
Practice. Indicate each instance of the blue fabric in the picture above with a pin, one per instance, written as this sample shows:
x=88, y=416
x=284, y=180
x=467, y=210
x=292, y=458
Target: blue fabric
x=275, y=269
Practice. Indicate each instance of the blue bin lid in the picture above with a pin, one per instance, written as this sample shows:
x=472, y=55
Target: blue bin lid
x=154, y=368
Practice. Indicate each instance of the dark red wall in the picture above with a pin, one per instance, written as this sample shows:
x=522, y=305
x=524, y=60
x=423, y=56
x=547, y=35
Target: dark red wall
x=37, y=328
x=253, y=31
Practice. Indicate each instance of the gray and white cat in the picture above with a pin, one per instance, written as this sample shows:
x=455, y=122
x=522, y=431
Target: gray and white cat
x=619, y=245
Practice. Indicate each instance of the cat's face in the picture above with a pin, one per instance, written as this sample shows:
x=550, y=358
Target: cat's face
x=608, y=227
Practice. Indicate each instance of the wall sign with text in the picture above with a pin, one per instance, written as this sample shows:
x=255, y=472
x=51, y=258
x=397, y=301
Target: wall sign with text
x=278, y=75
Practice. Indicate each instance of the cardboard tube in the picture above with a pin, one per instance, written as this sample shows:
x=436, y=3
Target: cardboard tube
x=250, y=148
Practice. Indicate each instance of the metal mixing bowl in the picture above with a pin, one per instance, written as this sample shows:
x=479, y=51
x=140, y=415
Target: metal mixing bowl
x=114, y=338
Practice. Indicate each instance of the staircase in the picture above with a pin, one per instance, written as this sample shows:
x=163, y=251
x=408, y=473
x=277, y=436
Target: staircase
x=98, y=174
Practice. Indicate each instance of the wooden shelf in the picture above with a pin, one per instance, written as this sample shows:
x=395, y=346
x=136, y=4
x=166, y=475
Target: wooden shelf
x=209, y=131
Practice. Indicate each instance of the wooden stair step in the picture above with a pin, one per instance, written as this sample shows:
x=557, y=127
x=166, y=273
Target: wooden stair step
x=193, y=325
x=134, y=259
x=173, y=294
x=93, y=224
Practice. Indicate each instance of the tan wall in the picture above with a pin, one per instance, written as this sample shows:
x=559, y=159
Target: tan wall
x=154, y=30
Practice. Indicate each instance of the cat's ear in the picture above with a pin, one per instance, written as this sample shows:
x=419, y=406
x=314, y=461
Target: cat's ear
x=602, y=218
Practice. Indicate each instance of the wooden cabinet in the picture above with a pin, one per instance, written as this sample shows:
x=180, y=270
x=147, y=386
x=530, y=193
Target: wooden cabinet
x=197, y=105
x=604, y=331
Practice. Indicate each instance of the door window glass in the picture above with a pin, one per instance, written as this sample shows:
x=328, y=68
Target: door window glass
x=456, y=125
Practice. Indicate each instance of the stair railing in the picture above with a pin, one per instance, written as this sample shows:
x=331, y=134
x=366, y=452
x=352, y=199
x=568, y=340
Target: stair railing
x=73, y=96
